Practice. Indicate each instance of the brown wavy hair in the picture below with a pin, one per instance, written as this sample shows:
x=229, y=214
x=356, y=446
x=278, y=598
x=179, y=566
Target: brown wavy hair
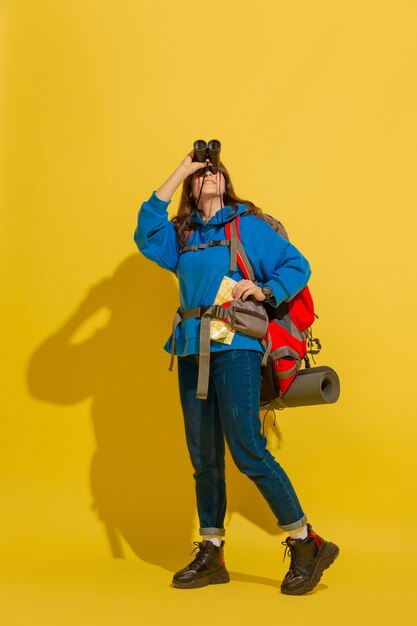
x=188, y=204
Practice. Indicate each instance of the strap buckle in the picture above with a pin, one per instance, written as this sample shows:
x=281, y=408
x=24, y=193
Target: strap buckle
x=218, y=310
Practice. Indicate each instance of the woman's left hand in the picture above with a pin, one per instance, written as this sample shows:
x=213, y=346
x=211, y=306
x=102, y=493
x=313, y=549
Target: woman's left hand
x=245, y=288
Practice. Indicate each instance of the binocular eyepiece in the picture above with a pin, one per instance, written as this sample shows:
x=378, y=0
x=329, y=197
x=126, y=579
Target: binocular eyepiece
x=211, y=151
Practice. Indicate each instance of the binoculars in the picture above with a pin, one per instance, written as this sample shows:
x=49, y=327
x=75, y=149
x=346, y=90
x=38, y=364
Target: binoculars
x=204, y=151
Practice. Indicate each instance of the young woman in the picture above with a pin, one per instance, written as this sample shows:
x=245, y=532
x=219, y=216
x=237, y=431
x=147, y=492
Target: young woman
x=231, y=409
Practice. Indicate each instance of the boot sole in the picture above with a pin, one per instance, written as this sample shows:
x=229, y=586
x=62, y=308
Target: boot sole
x=214, y=578
x=330, y=554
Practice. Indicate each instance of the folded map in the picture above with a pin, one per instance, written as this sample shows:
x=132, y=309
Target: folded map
x=219, y=330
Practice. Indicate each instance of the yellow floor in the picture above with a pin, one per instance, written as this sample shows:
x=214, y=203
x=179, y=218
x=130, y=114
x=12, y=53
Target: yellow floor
x=369, y=582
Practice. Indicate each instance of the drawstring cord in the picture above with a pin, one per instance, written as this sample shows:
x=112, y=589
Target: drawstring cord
x=263, y=424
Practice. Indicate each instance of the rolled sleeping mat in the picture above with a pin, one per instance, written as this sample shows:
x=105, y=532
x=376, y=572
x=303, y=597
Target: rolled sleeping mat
x=313, y=385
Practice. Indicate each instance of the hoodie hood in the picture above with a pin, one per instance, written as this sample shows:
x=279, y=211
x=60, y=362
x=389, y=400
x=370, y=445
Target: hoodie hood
x=222, y=216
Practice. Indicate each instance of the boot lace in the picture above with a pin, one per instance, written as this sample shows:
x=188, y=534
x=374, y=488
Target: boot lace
x=199, y=554
x=292, y=552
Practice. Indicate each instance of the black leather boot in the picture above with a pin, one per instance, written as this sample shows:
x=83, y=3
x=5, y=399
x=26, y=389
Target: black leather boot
x=309, y=558
x=207, y=568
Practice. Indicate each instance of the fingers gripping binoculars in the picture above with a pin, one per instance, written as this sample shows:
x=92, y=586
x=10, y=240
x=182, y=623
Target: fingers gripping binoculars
x=211, y=151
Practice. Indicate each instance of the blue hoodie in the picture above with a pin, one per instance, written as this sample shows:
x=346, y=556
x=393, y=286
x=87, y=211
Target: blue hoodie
x=275, y=262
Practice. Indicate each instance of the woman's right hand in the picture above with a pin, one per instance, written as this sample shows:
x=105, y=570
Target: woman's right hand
x=185, y=168
x=188, y=166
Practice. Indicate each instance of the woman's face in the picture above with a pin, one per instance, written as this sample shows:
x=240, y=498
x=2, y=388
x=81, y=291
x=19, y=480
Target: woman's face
x=214, y=185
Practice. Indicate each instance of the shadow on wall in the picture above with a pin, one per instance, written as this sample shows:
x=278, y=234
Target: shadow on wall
x=141, y=477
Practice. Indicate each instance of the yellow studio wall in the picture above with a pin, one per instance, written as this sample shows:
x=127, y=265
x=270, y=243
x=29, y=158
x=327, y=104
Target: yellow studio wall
x=315, y=106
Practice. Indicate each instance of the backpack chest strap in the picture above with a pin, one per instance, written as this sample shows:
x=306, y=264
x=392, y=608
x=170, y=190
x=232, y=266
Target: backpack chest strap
x=211, y=244
x=237, y=252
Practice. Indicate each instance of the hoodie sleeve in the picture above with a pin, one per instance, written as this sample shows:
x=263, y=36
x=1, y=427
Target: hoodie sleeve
x=286, y=269
x=155, y=234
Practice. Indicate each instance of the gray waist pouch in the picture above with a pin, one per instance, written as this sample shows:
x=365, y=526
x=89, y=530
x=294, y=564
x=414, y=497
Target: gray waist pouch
x=248, y=316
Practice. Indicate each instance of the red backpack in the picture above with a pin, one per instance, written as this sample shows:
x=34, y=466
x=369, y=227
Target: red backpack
x=289, y=329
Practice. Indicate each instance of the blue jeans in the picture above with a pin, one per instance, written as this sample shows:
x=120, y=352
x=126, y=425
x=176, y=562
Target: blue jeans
x=231, y=411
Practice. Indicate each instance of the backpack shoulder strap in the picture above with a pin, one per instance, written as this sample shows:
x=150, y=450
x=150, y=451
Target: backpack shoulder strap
x=237, y=251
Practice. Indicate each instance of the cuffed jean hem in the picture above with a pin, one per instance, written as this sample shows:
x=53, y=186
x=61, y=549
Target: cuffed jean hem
x=212, y=531
x=294, y=525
